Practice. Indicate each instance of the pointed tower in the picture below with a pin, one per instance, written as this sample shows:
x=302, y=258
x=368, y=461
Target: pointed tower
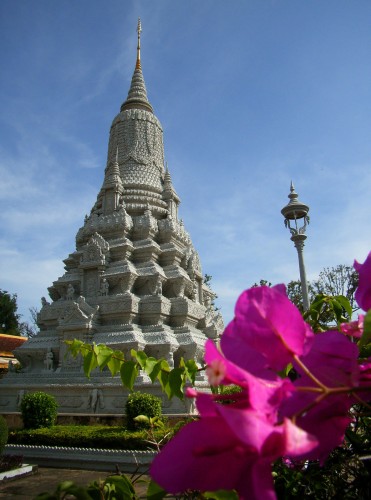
x=134, y=280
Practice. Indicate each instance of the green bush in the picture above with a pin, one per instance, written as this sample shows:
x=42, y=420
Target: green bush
x=3, y=433
x=229, y=390
x=140, y=403
x=38, y=410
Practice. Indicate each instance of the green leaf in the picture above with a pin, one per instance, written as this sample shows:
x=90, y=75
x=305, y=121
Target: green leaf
x=114, y=365
x=129, y=373
x=74, y=346
x=104, y=354
x=153, y=374
x=366, y=337
x=120, y=487
x=192, y=370
x=176, y=382
x=142, y=419
x=70, y=488
x=90, y=363
x=163, y=378
x=152, y=367
x=336, y=307
x=345, y=304
x=140, y=356
x=155, y=492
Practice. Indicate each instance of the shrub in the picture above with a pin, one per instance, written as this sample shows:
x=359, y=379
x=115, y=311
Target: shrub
x=3, y=433
x=38, y=410
x=140, y=403
x=229, y=390
x=89, y=436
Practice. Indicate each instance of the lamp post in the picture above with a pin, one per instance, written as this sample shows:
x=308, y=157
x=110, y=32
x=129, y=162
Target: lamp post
x=296, y=211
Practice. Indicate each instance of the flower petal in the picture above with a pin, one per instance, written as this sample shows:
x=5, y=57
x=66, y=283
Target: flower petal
x=267, y=323
x=363, y=292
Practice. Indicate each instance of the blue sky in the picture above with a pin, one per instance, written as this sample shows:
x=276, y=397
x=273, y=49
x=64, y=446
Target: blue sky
x=250, y=94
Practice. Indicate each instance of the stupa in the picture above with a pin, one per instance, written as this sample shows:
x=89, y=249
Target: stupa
x=134, y=280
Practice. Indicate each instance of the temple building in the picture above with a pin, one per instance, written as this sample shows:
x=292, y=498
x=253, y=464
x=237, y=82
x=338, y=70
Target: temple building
x=134, y=281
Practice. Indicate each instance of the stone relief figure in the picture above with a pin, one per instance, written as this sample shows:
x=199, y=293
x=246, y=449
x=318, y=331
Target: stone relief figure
x=207, y=304
x=158, y=290
x=121, y=203
x=170, y=359
x=70, y=292
x=48, y=361
x=195, y=291
x=104, y=287
x=20, y=395
x=44, y=302
x=95, y=399
x=191, y=265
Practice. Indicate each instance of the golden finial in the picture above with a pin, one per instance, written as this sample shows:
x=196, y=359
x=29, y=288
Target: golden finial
x=139, y=30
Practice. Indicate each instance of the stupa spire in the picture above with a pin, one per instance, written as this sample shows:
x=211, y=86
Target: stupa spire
x=139, y=30
x=137, y=96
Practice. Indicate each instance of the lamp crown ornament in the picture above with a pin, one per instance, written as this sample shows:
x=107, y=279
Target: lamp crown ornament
x=294, y=211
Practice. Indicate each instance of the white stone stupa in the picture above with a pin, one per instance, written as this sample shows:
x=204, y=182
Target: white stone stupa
x=134, y=280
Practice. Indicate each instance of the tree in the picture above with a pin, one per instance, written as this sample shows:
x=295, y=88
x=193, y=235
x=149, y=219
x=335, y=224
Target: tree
x=9, y=319
x=294, y=293
x=30, y=329
x=339, y=280
x=325, y=295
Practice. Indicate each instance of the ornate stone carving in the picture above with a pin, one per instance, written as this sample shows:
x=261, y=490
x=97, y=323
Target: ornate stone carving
x=104, y=287
x=78, y=314
x=95, y=251
x=49, y=360
x=44, y=302
x=20, y=396
x=145, y=226
x=95, y=399
x=70, y=292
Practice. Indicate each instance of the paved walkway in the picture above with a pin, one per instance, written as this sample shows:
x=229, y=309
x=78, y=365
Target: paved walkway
x=47, y=479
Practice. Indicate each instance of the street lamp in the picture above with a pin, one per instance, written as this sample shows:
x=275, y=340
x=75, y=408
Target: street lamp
x=295, y=211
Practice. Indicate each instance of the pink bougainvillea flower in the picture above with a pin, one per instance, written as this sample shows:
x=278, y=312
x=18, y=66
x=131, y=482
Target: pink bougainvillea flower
x=333, y=362
x=363, y=292
x=216, y=372
x=365, y=381
x=333, y=359
x=266, y=332
x=259, y=393
x=365, y=372
x=354, y=328
x=228, y=448
x=328, y=422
